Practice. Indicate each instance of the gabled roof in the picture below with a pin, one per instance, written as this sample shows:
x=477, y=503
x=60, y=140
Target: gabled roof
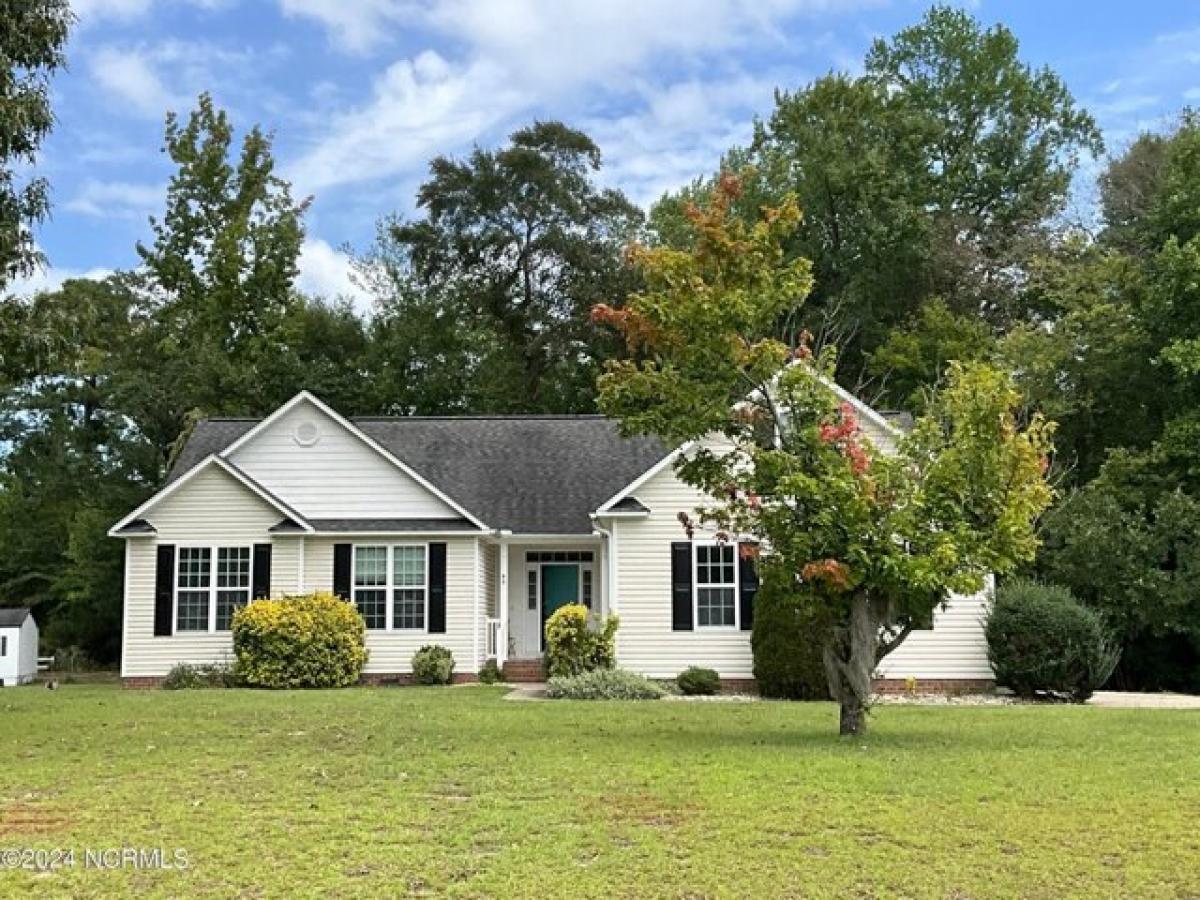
x=526, y=474
x=210, y=460
x=13, y=617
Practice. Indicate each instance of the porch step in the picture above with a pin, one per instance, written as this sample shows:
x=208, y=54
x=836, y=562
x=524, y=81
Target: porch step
x=524, y=670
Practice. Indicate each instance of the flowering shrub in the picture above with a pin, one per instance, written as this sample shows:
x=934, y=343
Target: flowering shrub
x=311, y=641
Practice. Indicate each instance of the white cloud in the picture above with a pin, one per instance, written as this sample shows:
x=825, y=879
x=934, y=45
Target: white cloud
x=680, y=131
x=132, y=77
x=117, y=199
x=91, y=10
x=357, y=26
x=421, y=107
x=51, y=279
x=326, y=272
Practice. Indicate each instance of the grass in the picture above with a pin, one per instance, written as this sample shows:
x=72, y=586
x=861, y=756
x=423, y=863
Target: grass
x=453, y=791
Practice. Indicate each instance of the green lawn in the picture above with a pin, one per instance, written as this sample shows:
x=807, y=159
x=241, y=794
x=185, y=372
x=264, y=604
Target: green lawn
x=389, y=791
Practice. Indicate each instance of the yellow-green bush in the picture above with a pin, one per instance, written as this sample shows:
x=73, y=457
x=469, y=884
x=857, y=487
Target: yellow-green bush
x=311, y=641
x=572, y=647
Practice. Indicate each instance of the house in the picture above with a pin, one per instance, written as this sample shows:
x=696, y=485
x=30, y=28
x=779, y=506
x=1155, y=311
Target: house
x=462, y=531
x=18, y=647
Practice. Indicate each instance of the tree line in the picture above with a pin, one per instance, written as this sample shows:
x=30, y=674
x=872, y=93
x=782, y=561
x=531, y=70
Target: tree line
x=934, y=189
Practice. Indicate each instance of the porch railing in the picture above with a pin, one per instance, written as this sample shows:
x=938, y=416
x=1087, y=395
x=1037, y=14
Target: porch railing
x=496, y=645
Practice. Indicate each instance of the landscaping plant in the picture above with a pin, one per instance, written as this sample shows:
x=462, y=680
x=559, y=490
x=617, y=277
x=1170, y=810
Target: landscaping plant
x=1043, y=642
x=604, y=684
x=574, y=646
x=697, y=682
x=311, y=641
x=433, y=664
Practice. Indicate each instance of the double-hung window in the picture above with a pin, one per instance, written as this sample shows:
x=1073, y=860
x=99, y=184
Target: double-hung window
x=210, y=584
x=391, y=586
x=716, y=585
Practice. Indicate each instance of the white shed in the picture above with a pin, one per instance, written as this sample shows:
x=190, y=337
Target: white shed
x=18, y=647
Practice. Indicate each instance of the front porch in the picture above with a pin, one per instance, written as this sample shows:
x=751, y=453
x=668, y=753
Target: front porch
x=534, y=577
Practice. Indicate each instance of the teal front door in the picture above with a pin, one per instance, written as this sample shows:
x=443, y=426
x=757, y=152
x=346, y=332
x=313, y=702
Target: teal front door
x=560, y=586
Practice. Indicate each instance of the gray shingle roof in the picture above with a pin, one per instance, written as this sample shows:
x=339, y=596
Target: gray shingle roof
x=138, y=526
x=12, y=617
x=630, y=505
x=529, y=474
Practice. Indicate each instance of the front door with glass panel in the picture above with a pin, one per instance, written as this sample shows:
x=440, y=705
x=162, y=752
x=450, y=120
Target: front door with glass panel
x=560, y=587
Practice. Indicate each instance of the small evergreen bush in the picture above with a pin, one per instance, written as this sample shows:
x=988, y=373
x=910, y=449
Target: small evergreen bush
x=574, y=647
x=433, y=664
x=490, y=673
x=604, y=684
x=184, y=677
x=698, y=682
x=1043, y=642
x=787, y=660
x=310, y=641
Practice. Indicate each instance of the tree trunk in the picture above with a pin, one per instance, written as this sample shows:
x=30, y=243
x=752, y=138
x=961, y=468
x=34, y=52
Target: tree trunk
x=849, y=661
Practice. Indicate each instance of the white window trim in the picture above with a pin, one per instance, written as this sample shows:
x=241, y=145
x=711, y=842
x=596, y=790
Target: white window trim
x=214, y=554
x=737, y=588
x=390, y=587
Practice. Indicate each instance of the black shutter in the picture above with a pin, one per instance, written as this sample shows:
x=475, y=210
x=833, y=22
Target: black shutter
x=164, y=590
x=341, y=570
x=748, y=586
x=437, y=588
x=681, y=586
x=260, y=585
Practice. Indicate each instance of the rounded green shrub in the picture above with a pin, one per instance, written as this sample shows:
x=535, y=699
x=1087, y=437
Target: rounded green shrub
x=787, y=657
x=310, y=641
x=573, y=646
x=697, y=682
x=433, y=664
x=490, y=673
x=1043, y=642
x=604, y=684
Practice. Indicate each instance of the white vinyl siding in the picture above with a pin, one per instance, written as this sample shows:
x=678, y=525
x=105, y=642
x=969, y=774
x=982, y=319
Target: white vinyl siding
x=339, y=476
x=18, y=664
x=645, y=641
x=391, y=651
x=955, y=648
x=214, y=510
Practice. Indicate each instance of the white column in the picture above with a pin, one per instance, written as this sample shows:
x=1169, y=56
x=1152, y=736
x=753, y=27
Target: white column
x=502, y=605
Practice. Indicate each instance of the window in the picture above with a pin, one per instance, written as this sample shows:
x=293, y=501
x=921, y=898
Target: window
x=408, y=587
x=370, y=585
x=585, y=575
x=531, y=587
x=390, y=585
x=194, y=589
x=210, y=586
x=716, y=585
x=553, y=556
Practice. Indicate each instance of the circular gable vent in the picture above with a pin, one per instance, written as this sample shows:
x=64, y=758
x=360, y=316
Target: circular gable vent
x=306, y=434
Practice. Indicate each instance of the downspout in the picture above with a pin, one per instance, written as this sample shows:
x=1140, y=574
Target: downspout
x=610, y=559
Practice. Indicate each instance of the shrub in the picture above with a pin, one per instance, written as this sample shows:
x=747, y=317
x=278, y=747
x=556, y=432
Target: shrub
x=696, y=682
x=310, y=641
x=184, y=676
x=1043, y=642
x=787, y=661
x=573, y=647
x=604, y=684
x=490, y=673
x=433, y=664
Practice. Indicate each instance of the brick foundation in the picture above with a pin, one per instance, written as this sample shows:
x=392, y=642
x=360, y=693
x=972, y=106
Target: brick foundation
x=142, y=682
x=934, y=686
x=739, y=686
x=524, y=670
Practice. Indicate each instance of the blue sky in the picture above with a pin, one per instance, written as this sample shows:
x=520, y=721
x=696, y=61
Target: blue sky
x=362, y=93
